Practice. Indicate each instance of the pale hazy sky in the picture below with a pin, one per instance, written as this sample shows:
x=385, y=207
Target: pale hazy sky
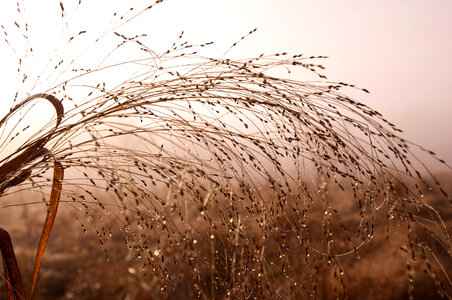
x=400, y=50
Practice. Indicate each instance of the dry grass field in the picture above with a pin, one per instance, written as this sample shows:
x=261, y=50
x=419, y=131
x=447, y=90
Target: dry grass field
x=76, y=266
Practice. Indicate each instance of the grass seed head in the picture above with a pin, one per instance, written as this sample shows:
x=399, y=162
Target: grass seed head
x=217, y=173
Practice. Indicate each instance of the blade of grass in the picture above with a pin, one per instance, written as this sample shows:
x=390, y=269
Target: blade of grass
x=14, y=286
x=51, y=214
x=31, y=152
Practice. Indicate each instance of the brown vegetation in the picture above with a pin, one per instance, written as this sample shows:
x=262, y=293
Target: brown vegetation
x=76, y=267
x=221, y=181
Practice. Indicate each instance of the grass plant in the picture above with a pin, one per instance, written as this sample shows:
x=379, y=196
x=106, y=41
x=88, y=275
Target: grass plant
x=217, y=174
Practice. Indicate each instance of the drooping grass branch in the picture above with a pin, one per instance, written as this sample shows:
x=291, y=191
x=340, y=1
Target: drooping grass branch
x=218, y=166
